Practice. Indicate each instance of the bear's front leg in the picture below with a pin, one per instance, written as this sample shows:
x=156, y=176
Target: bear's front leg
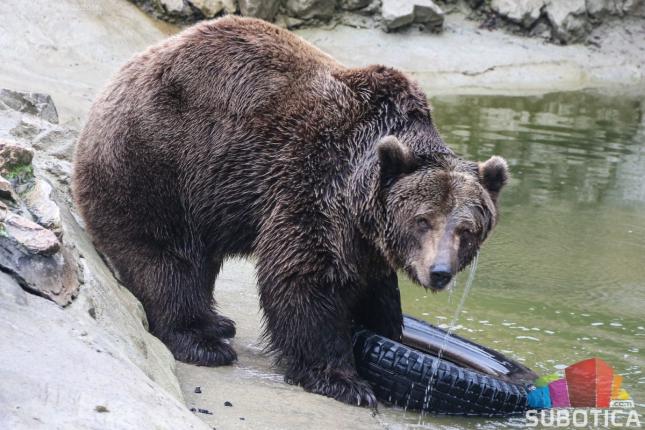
x=309, y=328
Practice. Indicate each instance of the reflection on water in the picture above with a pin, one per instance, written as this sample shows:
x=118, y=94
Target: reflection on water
x=563, y=277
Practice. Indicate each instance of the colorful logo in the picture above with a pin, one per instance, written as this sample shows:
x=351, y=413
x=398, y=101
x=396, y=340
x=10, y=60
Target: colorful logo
x=587, y=384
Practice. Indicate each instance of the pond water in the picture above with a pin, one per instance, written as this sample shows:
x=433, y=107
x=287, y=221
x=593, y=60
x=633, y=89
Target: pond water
x=562, y=278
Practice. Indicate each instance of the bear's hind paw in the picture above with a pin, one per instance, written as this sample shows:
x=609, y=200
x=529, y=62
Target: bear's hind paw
x=196, y=348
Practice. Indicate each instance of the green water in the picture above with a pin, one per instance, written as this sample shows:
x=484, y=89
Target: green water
x=562, y=278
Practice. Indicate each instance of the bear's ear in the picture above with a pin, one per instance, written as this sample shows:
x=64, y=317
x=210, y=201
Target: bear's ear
x=395, y=158
x=493, y=175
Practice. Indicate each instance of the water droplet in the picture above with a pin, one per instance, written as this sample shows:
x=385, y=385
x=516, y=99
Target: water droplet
x=527, y=338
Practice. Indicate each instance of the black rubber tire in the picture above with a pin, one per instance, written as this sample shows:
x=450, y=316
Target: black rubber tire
x=408, y=378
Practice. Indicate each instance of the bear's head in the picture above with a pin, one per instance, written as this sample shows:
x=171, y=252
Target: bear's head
x=438, y=210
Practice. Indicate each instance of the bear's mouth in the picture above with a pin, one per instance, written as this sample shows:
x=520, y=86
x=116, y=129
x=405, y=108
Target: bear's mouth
x=412, y=274
x=428, y=284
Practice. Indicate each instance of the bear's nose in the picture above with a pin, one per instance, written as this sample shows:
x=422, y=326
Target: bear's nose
x=440, y=275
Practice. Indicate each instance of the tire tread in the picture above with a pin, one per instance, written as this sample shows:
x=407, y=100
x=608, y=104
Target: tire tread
x=399, y=375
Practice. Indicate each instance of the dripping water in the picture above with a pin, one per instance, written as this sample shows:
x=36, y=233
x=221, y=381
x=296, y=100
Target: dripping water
x=453, y=323
x=451, y=289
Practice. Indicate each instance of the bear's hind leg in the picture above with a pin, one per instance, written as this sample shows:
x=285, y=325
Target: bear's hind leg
x=176, y=289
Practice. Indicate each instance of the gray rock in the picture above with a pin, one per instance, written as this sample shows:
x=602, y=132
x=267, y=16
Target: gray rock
x=59, y=171
x=541, y=29
x=30, y=237
x=568, y=20
x=13, y=154
x=40, y=204
x=601, y=8
x=309, y=9
x=14, y=159
x=53, y=144
x=428, y=13
x=524, y=12
x=353, y=4
x=56, y=141
x=211, y=8
x=397, y=13
x=356, y=20
x=169, y=10
x=289, y=22
x=263, y=9
x=633, y=8
x=400, y=13
x=474, y=4
x=33, y=255
x=26, y=129
x=6, y=191
x=373, y=8
x=37, y=104
x=174, y=7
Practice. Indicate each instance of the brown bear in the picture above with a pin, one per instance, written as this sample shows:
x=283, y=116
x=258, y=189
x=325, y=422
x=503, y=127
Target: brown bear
x=237, y=138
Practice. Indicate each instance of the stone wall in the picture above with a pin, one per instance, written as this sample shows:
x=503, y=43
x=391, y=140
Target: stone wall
x=559, y=21
x=562, y=21
x=388, y=14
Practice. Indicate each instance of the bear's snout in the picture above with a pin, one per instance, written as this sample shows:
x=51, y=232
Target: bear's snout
x=440, y=276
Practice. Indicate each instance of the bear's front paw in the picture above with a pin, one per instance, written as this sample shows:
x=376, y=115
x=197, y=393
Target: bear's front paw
x=342, y=385
x=195, y=347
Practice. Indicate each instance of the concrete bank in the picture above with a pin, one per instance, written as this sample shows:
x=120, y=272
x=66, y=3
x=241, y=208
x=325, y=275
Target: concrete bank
x=467, y=60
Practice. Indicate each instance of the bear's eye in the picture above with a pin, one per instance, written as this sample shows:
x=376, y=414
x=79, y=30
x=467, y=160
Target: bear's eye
x=467, y=236
x=423, y=223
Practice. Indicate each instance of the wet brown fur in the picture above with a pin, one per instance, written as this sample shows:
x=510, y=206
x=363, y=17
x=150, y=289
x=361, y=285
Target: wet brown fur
x=237, y=138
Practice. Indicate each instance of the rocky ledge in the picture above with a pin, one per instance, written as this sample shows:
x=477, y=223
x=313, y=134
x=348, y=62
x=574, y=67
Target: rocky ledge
x=75, y=349
x=560, y=21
